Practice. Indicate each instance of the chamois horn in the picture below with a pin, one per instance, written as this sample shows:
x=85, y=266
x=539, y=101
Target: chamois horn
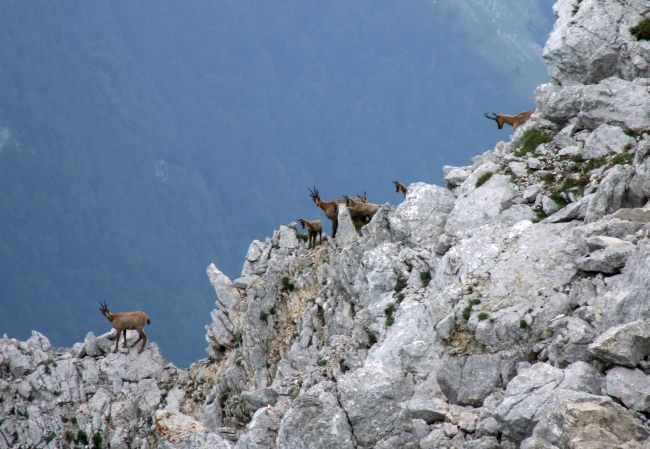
x=491, y=118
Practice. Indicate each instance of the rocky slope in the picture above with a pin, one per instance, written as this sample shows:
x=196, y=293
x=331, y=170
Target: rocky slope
x=507, y=310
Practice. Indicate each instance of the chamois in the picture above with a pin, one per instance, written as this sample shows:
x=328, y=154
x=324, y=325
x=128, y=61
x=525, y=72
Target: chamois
x=513, y=120
x=361, y=210
x=399, y=187
x=315, y=228
x=329, y=207
x=123, y=321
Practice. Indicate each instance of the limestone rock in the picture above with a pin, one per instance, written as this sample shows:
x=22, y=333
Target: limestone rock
x=623, y=345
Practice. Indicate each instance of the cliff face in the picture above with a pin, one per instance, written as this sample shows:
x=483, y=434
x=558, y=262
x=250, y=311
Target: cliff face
x=507, y=310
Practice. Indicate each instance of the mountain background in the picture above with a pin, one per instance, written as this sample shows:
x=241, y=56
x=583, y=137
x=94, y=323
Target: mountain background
x=142, y=140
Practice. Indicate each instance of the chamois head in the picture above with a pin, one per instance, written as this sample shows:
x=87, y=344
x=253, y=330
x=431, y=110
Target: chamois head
x=364, y=198
x=104, y=309
x=396, y=185
x=302, y=222
x=497, y=118
x=315, y=196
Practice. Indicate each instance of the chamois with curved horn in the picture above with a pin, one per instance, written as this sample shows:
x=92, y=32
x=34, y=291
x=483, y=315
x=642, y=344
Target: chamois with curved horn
x=315, y=228
x=123, y=321
x=399, y=187
x=513, y=120
x=329, y=207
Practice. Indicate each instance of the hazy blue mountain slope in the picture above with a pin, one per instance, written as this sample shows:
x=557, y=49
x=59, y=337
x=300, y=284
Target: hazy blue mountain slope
x=141, y=141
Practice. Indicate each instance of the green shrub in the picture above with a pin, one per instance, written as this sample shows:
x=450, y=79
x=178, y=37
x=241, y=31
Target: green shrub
x=343, y=366
x=483, y=178
x=474, y=302
x=301, y=236
x=594, y=163
x=425, y=277
x=642, y=30
x=539, y=216
x=50, y=436
x=576, y=7
x=263, y=316
x=222, y=399
x=409, y=370
x=400, y=297
x=82, y=437
x=321, y=362
x=523, y=324
x=321, y=314
x=399, y=285
x=483, y=316
x=389, y=314
x=530, y=141
x=286, y=284
x=622, y=159
x=358, y=224
x=68, y=436
x=97, y=440
x=238, y=362
x=467, y=311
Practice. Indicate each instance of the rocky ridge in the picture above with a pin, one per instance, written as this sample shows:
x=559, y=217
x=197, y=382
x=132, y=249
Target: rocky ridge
x=508, y=310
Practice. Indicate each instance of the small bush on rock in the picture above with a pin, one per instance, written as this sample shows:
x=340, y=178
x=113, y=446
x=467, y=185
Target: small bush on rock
x=523, y=324
x=483, y=316
x=642, y=30
x=425, y=277
x=97, y=440
x=263, y=316
x=530, y=141
x=483, y=178
x=467, y=311
x=321, y=362
x=389, y=314
x=286, y=284
x=82, y=437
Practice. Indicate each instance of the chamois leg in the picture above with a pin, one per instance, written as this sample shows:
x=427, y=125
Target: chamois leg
x=143, y=336
x=136, y=342
x=335, y=225
x=124, y=345
x=320, y=238
x=117, y=341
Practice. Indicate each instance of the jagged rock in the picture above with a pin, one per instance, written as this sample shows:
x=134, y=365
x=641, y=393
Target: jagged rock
x=579, y=420
x=606, y=139
x=260, y=398
x=608, y=254
x=429, y=410
x=456, y=177
x=482, y=443
x=613, y=101
x=518, y=168
x=346, y=232
x=572, y=211
x=631, y=386
x=548, y=206
x=534, y=163
x=610, y=194
x=423, y=213
x=480, y=205
x=623, y=345
x=591, y=41
x=469, y=381
x=316, y=420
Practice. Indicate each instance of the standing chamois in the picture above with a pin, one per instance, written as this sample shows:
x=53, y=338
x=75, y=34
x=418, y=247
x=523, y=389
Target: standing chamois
x=362, y=211
x=123, y=321
x=399, y=187
x=329, y=207
x=513, y=120
x=315, y=228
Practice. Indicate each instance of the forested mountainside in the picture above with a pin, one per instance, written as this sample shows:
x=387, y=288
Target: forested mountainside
x=140, y=141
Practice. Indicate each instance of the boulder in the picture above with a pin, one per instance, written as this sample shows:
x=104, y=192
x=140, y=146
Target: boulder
x=625, y=345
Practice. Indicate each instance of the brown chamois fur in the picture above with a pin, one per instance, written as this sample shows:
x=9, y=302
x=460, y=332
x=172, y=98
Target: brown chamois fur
x=513, y=120
x=361, y=211
x=315, y=228
x=329, y=207
x=399, y=187
x=123, y=321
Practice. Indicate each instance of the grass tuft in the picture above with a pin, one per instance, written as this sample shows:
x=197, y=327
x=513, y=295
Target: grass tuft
x=530, y=141
x=263, y=316
x=425, y=277
x=389, y=314
x=523, y=324
x=321, y=362
x=286, y=284
x=483, y=316
x=642, y=30
x=97, y=440
x=467, y=312
x=483, y=178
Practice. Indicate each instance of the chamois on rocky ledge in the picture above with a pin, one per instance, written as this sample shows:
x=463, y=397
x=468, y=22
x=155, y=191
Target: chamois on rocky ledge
x=399, y=187
x=315, y=228
x=329, y=207
x=513, y=120
x=363, y=211
x=123, y=321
